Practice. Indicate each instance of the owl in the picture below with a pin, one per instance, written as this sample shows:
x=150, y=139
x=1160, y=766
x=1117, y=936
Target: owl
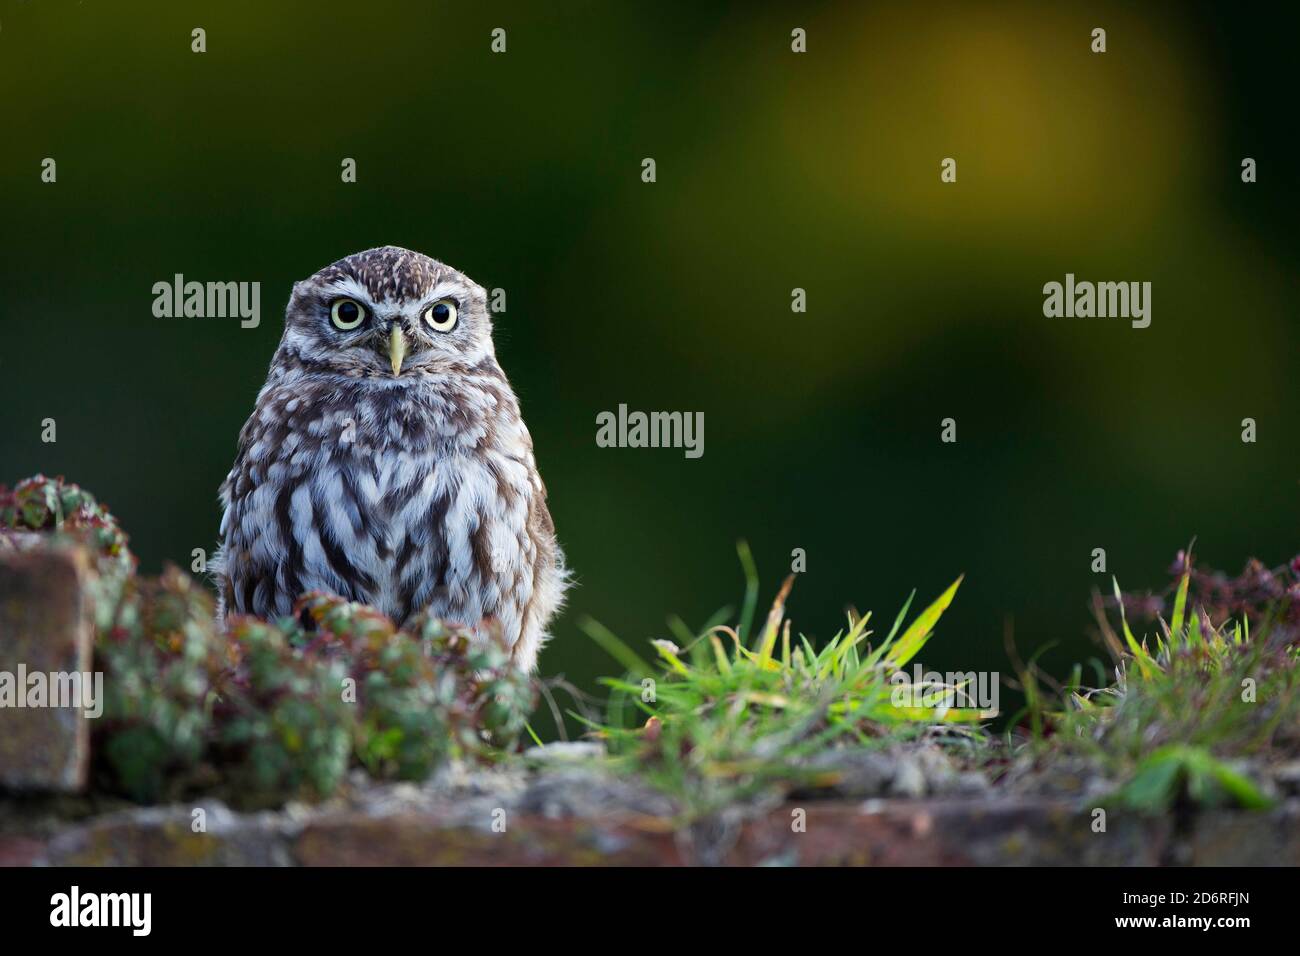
x=386, y=461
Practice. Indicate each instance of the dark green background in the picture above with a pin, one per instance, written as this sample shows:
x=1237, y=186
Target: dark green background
x=774, y=171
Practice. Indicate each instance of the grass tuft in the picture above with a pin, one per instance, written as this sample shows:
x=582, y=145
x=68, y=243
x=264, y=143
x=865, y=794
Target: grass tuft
x=729, y=712
x=1196, y=707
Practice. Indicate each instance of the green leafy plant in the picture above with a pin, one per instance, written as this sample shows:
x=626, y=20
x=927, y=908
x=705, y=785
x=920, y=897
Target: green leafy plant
x=429, y=692
x=727, y=713
x=284, y=725
x=61, y=514
x=159, y=653
x=1171, y=772
x=265, y=710
x=1186, y=702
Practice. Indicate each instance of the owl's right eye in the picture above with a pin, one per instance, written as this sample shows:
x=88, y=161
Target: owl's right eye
x=347, y=314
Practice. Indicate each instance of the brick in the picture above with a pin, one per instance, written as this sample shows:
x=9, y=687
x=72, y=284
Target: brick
x=45, y=628
x=167, y=836
x=949, y=832
x=426, y=840
x=1004, y=832
x=1247, y=839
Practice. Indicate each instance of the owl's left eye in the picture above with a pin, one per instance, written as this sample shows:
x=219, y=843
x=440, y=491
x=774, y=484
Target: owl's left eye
x=441, y=316
x=347, y=314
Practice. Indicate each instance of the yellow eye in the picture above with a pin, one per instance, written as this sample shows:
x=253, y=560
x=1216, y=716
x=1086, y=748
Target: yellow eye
x=347, y=314
x=441, y=316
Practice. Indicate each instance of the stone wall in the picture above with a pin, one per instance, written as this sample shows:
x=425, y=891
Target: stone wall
x=555, y=807
x=573, y=817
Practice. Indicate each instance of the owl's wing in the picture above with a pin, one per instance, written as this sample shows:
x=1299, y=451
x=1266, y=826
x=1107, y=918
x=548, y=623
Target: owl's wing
x=257, y=573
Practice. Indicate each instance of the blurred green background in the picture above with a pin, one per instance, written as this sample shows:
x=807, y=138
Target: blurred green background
x=775, y=170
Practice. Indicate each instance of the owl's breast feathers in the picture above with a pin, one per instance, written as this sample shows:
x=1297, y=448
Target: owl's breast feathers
x=405, y=497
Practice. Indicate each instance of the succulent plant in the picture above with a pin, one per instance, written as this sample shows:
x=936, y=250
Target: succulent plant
x=1260, y=595
x=265, y=710
x=64, y=514
x=284, y=727
x=427, y=694
x=159, y=653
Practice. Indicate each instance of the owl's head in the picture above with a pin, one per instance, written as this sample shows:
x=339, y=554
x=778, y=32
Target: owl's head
x=387, y=312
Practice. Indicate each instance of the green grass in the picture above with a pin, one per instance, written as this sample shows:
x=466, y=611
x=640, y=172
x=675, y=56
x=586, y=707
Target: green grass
x=733, y=711
x=1186, y=704
x=1196, y=713
x=730, y=711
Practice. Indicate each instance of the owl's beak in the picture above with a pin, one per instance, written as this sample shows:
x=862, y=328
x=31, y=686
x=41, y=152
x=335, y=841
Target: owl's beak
x=396, y=348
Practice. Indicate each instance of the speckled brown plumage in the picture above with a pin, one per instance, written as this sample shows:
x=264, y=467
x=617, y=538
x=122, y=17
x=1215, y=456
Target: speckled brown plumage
x=388, y=462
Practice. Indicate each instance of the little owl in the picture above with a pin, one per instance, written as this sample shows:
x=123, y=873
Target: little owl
x=386, y=461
